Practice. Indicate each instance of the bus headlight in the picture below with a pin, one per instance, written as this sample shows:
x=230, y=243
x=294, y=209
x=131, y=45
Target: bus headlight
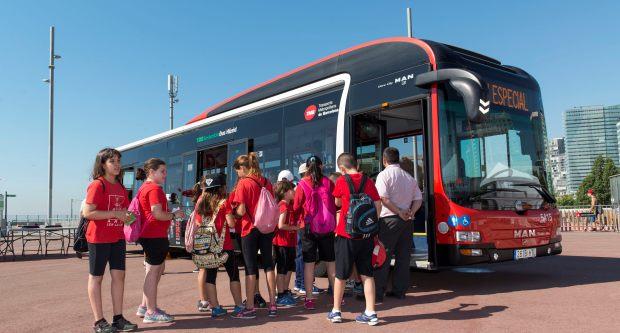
x=468, y=236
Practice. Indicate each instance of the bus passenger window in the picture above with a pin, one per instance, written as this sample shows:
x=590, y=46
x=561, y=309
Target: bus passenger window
x=310, y=129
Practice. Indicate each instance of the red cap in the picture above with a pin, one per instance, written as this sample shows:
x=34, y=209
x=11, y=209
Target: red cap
x=378, y=254
x=590, y=191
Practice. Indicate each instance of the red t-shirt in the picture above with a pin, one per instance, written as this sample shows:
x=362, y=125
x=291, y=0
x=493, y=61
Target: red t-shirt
x=152, y=194
x=287, y=238
x=300, y=198
x=220, y=221
x=248, y=192
x=113, y=197
x=341, y=191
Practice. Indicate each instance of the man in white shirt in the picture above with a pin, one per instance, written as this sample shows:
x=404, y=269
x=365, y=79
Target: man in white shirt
x=401, y=198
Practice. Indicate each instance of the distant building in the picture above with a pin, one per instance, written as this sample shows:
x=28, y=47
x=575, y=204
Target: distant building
x=591, y=131
x=559, y=173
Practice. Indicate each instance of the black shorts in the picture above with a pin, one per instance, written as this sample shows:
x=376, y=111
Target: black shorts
x=351, y=252
x=250, y=245
x=284, y=258
x=100, y=254
x=310, y=243
x=155, y=250
x=231, y=268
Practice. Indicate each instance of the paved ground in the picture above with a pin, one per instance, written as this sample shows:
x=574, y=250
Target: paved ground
x=575, y=292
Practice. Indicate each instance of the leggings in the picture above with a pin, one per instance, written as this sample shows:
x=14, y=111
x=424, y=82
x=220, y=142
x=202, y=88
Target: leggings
x=231, y=268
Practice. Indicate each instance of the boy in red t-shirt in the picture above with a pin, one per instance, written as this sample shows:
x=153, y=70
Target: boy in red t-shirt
x=350, y=252
x=284, y=243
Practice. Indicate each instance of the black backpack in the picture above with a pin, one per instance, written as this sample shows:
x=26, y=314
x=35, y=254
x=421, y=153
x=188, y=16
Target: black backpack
x=80, y=244
x=361, y=219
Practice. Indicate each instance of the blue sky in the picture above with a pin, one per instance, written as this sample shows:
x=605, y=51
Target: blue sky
x=111, y=80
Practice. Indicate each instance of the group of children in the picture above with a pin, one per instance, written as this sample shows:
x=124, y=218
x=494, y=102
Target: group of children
x=314, y=210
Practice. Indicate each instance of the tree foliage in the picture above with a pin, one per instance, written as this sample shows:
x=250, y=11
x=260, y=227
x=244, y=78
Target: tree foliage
x=598, y=180
x=566, y=200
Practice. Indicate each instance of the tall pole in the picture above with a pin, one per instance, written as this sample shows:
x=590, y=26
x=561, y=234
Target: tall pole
x=409, y=23
x=51, y=142
x=173, y=90
x=171, y=111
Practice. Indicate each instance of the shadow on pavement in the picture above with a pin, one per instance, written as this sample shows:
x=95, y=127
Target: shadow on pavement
x=539, y=274
x=459, y=313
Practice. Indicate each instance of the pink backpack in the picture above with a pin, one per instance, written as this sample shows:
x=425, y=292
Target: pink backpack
x=134, y=230
x=319, y=207
x=190, y=231
x=267, y=212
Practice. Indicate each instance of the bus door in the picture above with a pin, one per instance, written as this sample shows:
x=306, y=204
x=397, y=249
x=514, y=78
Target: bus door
x=173, y=189
x=411, y=148
x=368, y=142
x=400, y=126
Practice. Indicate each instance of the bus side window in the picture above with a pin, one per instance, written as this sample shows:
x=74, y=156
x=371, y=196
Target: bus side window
x=310, y=129
x=265, y=130
x=129, y=178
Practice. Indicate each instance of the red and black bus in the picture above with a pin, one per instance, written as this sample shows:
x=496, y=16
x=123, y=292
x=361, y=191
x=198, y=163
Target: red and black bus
x=472, y=129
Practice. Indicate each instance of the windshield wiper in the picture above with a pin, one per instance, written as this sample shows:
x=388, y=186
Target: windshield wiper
x=540, y=189
x=491, y=190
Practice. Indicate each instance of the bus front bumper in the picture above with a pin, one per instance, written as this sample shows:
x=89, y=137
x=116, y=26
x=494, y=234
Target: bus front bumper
x=459, y=254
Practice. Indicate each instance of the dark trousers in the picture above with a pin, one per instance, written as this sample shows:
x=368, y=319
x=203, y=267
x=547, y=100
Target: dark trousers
x=397, y=237
x=299, y=264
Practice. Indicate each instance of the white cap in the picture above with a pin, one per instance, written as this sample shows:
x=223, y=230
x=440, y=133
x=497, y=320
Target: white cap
x=303, y=169
x=285, y=174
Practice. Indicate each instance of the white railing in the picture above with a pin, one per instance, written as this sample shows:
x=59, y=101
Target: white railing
x=581, y=218
x=33, y=220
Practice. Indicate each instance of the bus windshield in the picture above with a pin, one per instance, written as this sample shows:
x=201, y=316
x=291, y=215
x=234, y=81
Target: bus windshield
x=495, y=164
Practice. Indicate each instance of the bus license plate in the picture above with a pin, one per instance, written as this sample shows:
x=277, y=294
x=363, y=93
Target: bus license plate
x=525, y=253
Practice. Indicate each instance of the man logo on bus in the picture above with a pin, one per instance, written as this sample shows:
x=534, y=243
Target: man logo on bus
x=310, y=112
x=525, y=233
x=403, y=80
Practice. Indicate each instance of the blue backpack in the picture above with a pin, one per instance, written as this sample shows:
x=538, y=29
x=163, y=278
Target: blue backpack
x=361, y=219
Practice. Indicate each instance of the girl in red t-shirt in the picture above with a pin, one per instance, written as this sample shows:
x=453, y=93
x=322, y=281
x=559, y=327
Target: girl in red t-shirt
x=285, y=242
x=154, y=236
x=312, y=243
x=213, y=204
x=245, y=200
x=106, y=209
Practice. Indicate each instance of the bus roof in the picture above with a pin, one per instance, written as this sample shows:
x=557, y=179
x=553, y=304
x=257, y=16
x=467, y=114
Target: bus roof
x=363, y=62
x=394, y=54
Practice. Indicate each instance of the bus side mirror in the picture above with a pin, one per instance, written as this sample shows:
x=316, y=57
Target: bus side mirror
x=467, y=85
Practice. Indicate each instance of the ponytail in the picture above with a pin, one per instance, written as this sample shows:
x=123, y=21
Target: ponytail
x=140, y=174
x=151, y=164
x=197, y=191
x=249, y=161
x=314, y=165
x=254, y=168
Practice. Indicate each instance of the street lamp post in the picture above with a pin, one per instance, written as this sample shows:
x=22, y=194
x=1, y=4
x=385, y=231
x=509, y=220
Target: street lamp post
x=6, y=205
x=51, y=138
x=72, y=201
